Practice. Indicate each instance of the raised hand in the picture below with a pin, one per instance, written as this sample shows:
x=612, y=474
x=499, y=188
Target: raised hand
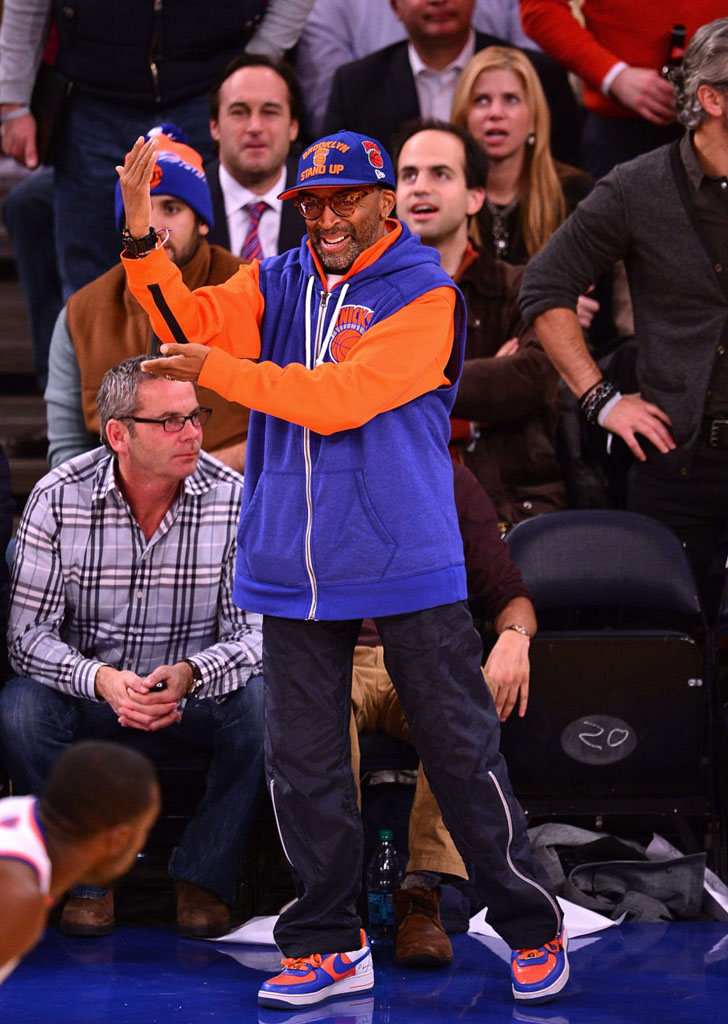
x=135, y=177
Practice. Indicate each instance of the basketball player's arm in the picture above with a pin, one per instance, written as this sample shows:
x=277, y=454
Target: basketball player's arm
x=24, y=909
x=393, y=362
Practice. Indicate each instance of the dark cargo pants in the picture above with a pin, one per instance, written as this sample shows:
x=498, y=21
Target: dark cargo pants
x=433, y=658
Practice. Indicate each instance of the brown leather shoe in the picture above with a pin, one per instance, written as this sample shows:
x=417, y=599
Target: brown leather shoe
x=420, y=940
x=83, y=916
x=200, y=913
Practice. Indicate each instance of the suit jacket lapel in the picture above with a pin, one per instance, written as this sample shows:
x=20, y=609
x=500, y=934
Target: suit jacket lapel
x=218, y=234
x=293, y=226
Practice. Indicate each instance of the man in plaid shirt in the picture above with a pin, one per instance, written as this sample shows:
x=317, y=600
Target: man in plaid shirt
x=122, y=626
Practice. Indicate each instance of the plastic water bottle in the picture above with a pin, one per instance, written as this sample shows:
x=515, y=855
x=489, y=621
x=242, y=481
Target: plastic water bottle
x=383, y=877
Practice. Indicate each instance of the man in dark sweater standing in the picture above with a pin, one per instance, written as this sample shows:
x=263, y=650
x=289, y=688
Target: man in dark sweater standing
x=665, y=215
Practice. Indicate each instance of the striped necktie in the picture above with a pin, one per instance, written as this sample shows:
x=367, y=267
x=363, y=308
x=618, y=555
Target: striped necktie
x=252, y=249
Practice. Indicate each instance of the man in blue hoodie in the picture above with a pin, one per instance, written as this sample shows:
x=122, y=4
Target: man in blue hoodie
x=349, y=349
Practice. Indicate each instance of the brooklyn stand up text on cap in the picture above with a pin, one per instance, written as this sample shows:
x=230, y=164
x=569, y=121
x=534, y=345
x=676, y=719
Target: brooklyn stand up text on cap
x=344, y=158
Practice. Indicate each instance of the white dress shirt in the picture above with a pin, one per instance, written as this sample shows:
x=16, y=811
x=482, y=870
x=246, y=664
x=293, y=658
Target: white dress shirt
x=339, y=31
x=436, y=89
x=237, y=197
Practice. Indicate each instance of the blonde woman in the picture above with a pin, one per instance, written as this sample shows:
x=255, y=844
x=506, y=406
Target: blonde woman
x=500, y=101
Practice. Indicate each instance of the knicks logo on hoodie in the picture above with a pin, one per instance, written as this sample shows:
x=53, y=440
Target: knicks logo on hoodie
x=351, y=324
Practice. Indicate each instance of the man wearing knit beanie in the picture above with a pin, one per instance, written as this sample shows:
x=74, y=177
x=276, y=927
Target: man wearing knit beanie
x=102, y=324
x=179, y=174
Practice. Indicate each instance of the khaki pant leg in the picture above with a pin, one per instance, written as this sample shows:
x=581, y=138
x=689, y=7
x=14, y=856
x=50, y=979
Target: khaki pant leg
x=430, y=845
x=366, y=686
x=376, y=707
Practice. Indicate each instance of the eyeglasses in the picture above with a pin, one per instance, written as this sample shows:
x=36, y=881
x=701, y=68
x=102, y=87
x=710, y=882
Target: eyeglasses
x=311, y=207
x=173, y=424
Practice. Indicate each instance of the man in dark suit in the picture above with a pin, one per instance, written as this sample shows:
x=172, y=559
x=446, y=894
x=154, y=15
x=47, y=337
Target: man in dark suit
x=254, y=116
x=417, y=77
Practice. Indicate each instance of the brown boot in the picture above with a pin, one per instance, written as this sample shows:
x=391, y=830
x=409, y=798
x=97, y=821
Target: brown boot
x=420, y=938
x=83, y=916
x=200, y=913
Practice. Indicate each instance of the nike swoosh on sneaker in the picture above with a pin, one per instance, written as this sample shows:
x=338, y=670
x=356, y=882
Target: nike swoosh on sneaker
x=343, y=967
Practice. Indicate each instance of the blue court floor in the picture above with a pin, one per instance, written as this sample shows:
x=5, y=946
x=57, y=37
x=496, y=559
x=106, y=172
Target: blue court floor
x=667, y=973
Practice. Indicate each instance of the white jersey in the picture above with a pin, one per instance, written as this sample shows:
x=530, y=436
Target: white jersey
x=21, y=838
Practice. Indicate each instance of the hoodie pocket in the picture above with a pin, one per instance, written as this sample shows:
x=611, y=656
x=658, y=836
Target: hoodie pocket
x=272, y=530
x=350, y=544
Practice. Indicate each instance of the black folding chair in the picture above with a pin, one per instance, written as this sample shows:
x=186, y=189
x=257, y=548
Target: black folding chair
x=621, y=717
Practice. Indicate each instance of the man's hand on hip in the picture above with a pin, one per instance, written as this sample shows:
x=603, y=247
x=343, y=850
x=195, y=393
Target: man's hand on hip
x=632, y=415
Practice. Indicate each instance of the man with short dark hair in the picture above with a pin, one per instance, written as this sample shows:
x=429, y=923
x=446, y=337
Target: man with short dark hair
x=97, y=807
x=122, y=626
x=255, y=112
x=506, y=410
x=348, y=349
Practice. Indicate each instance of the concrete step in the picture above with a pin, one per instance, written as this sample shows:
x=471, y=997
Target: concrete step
x=22, y=409
x=25, y=474
x=16, y=346
x=22, y=418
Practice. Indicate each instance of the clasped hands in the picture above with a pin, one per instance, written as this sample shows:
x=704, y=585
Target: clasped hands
x=134, y=700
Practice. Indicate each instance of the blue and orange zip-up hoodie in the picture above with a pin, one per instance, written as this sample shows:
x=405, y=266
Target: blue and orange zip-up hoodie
x=348, y=506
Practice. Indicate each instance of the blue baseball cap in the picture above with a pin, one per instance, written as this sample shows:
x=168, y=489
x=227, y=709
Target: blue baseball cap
x=344, y=158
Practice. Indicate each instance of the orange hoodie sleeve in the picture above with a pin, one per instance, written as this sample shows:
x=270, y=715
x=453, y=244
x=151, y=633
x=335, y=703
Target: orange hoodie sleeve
x=396, y=360
x=226, y=315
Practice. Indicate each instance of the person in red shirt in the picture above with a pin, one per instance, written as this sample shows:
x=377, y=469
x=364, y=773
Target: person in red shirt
x=618, y=53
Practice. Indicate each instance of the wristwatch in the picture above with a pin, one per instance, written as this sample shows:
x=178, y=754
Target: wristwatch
x=139, y=246
x=197, y=680
x=519, y=629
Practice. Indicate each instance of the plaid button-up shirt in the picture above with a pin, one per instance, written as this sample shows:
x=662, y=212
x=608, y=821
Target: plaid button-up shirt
x=88, y=589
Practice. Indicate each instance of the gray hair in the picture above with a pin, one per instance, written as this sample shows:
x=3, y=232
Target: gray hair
x=118, y=396
x=705, y=63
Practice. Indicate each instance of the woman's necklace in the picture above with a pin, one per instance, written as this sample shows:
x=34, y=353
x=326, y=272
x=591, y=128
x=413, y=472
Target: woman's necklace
x=499, y=215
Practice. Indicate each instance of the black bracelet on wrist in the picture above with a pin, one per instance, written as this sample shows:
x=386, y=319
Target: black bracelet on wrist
x=136, y=247
x=589, y=390
x=595, y=398
x=197, y=680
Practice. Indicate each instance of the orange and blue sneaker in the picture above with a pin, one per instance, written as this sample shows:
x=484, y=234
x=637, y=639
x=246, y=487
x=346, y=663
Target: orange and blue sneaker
x=317, y=978
x=540, y=974
x=347, y=1010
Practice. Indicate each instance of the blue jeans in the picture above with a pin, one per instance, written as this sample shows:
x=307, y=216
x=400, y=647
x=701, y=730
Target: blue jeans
x=28, y=216
x=37, y=723
x=94, y=137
